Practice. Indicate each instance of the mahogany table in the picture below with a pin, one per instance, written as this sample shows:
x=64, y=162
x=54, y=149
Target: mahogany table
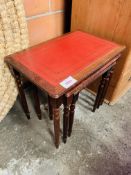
x=63, y=67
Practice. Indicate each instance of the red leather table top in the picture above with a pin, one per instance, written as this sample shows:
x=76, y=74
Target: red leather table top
x=48, y=64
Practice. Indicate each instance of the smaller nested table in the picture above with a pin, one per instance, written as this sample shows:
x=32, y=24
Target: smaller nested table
x=63, y=67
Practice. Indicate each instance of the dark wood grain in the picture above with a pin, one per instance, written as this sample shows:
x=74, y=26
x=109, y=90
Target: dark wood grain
x=55, y=103
x=67, y=15
x=36, y=101
x=22, y=96
x=107, y=77
x=72, y=112
x=103, y=87
x=99, y=93
x=93, y=76
x=66, y=103
x=50, y=110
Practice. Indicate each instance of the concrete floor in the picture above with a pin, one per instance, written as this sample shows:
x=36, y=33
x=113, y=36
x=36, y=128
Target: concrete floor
x=100, y=143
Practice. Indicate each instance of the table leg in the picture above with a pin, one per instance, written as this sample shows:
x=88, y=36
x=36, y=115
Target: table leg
x=37, y=102
x=21, y=92
x=99, y=94
x=55, y=103
x=103, y=87
x=66, y=102
x=50, y=111
x=72, y=112
x=108, y=76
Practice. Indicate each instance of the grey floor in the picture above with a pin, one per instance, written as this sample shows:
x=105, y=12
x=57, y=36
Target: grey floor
x=100, y=143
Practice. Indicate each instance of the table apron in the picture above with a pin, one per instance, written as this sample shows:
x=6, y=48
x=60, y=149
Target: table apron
x=89, y=80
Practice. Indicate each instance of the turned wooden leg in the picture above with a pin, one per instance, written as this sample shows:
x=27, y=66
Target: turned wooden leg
x=19, y=84
x=56, y=118
x=50, y=110
x=99, y=94
x=108, y=76
x=72, y=112
x=37, y=102
x=66, y=103
x=103, y=87
x=56, y=126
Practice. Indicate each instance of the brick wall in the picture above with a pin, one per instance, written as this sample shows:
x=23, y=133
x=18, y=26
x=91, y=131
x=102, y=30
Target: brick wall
x=45, y=19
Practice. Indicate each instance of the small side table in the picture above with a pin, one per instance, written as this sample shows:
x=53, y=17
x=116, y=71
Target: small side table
x=63, y=67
